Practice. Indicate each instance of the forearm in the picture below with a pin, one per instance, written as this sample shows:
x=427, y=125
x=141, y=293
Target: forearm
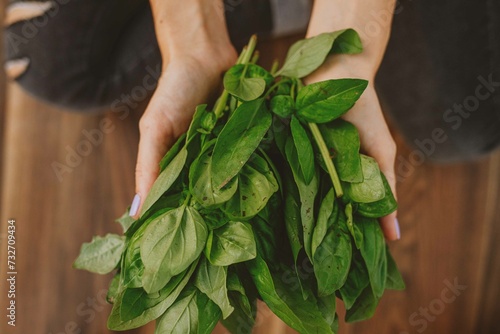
x=371, y=19
x=196, y=28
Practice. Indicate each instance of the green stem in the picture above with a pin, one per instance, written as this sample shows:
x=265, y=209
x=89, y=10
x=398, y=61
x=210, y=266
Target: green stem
x=249, y=50
x=274, y=68
x=326, y=157
x=274, y=86
x=244, y=58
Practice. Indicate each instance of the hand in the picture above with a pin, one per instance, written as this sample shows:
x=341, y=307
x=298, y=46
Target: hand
x=196, y=50
x=366, y=115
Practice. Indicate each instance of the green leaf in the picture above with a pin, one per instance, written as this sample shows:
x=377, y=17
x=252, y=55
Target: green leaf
x=114, y=289
x=135, y=301
x=211, y=280
x=328, y=306
x=380, y=208
x=324, y=101
x=373, y=251
x=155, y=305
x=178, y=229
x=282, y=105
x=348, y=43
x=165, y=180
x=286, y=301
x=196, y=123
x=332, y=258
x=304, y=149
x=327, y=216
x=101, y=255
x=355, y=230
x=247, y=81
x=172, y=152
x=232, y=243
x=238, y=140
x=292, y=214
x=200, y=182
x=307, y=196
x=242, y=319
x=342, y=140
x=125, y=221
x=307, y=55
x=372, y=188
x=356, y=282
x=364, y=307
x=209, y=314
x=394, y=279
x=181, y=317
x=256, y=185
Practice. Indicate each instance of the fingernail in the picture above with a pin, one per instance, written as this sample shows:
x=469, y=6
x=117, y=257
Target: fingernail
x=398, y=230
x=134, y=207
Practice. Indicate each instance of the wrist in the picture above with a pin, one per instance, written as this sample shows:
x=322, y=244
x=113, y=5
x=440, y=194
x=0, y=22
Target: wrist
x=195, y=31
x=372, y=21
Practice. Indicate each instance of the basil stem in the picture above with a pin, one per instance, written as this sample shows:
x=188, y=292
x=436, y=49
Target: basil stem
x=327, y=159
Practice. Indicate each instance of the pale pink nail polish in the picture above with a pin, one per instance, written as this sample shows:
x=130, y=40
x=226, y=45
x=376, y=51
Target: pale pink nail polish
x=398, y=230
x=134, y=207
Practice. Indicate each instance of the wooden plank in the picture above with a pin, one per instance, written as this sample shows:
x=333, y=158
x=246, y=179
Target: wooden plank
x=54, y=216
x=489, y=303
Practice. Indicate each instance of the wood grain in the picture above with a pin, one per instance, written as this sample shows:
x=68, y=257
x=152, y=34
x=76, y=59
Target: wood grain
x=449, y=216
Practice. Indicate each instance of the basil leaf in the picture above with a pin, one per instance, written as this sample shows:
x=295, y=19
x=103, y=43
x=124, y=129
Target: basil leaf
x=394, y=279
x=373, y=251
x=355, y=230
x=181, y=317
x=307, y=55
x=154, y=307
x=209, y=314
x=243, y=317
x=172, y=152
x=211, y=280
x=328, y=305
x=114, y=289
x=237, y=141
x=364, y=307
x=286, y=302
x=181, y=228
x=282, y=105
x=332, y=258
x=348, y=43
x=125, y=221
x=380, y=208
x=293, y=221
x=254, y=191
x=342, y=140
x=325, y=101
x=327, y=216
x=356, y=282
x=101, y=255
x=307, y=196
x=196, y=123
x=247, y=81
x=232, y=243
x=372, y=188
x=165, y=180
x=304, y=149
x=200, y=182
x=135, y=301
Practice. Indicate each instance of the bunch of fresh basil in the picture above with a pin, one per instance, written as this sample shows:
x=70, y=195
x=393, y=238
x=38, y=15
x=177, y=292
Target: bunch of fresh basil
x=265, y=197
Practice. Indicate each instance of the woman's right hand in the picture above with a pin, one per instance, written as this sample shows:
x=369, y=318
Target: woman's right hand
x=196, y=51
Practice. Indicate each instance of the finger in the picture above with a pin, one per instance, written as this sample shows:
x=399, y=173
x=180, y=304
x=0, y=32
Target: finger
x=377, y=142
x=156, y=137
